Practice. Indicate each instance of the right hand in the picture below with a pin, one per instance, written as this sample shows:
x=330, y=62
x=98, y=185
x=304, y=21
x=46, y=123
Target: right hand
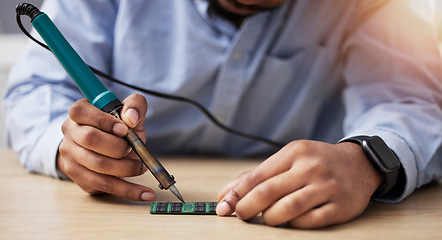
x=94, y=154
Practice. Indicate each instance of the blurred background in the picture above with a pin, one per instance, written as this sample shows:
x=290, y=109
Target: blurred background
x=13, y=42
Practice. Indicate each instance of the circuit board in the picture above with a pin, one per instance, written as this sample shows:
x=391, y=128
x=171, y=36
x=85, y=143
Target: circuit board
x=195, y=208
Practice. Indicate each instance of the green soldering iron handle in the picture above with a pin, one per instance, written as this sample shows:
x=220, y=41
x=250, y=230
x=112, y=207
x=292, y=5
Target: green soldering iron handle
x=87, y=82
x=95, y=92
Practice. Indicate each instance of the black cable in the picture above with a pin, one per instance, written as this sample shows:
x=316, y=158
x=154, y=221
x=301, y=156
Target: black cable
x=206, y=112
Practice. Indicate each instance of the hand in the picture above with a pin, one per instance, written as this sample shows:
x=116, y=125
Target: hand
x=307, y=184
x=93, y=153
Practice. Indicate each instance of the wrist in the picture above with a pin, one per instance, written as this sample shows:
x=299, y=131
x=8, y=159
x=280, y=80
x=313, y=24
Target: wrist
x=370, y=177
x=382, y=158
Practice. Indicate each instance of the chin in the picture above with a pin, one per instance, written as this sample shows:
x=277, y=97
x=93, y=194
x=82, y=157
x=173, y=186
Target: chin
x=242, y=10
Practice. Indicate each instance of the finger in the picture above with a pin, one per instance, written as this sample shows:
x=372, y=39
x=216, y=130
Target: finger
x=93, y=182
x=229, y=186
x=268, y=192
x=95, y=140
x=134, y=111
x=238, y=189
x=101, y=164
x=295, y=204
x=227, y=205
x=322, y=216
x=276, y=164
x=83, y=113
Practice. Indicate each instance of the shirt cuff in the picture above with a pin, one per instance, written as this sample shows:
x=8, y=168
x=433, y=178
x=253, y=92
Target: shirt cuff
x=47, y=148
x=406, y=156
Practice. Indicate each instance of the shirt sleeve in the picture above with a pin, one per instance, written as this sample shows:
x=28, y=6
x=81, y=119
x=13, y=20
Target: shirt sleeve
x=39, y=92
x=394, y=88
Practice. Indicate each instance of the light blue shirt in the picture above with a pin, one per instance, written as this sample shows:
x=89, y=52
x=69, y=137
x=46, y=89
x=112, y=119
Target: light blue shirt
x=306, y=70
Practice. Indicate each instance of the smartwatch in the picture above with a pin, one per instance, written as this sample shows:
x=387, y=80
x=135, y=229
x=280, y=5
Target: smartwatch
x=382, y=158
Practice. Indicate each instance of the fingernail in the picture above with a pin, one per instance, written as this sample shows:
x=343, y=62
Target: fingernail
x=147, y=196
x=120, y=129
x=223, y=209
x=132, y=115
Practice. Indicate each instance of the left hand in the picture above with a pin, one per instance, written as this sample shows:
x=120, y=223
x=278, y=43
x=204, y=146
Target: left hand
x=307, y=184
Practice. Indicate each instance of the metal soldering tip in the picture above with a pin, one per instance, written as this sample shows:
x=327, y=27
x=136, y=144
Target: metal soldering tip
x=175, y=191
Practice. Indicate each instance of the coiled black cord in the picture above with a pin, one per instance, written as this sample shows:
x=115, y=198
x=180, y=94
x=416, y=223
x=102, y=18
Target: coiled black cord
x=32, y=11
x=28, y=10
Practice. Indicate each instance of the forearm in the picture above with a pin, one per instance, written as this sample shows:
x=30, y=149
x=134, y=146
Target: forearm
x=33, y=131
x=394, y=89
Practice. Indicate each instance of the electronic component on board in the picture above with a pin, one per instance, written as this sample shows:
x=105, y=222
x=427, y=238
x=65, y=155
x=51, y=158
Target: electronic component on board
x=195, y=208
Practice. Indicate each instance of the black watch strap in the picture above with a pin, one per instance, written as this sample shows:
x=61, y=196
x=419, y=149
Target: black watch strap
x=382, y=158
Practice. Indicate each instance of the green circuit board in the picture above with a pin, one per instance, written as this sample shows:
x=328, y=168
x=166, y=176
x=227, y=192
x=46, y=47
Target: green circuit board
x=195, y=208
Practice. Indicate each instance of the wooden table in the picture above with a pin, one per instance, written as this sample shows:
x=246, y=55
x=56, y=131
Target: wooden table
x=40, y=207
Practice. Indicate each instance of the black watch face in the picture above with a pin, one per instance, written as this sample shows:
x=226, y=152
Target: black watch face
x=383, y=153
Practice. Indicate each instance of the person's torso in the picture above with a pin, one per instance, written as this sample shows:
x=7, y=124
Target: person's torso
x=278, y=76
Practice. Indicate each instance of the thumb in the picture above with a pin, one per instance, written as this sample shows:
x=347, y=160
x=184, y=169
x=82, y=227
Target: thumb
x=131, y=117
x=134, y=113
x=134, y=110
